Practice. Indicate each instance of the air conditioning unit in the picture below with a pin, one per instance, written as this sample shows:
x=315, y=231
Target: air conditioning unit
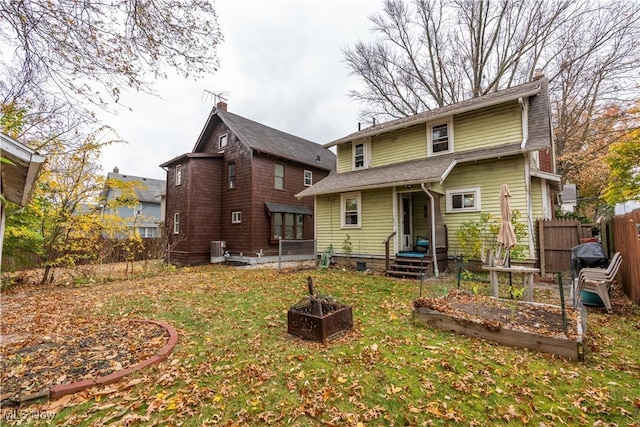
x=217, y=251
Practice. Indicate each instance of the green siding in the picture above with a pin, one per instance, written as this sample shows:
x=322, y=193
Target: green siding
x=536, y=194
x=488, y=176
x=401, y=146
x=345, y=160
x=488, y=127
x=377, y=223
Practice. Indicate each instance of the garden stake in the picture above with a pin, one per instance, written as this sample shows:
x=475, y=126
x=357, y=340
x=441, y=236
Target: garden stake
x=564, y=312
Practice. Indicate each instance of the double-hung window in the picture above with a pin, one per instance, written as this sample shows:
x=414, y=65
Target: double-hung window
x=351, y=210
x=440, y=138
x=360, y=152
x=463, y=200
x=308, y=178
x=176, y=223
x=279, y=177
x=178, y=175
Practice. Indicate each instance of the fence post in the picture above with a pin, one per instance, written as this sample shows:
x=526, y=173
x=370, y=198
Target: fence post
x=541, y=248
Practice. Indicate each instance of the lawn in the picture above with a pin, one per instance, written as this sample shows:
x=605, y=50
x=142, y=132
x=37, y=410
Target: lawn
x=235, y=363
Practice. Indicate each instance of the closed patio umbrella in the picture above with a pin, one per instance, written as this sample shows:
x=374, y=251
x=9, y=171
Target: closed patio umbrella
x=506, y=235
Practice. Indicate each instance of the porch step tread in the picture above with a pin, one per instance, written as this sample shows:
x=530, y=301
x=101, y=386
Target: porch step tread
x=406, y=273
x=409, y=267
x=412, y=261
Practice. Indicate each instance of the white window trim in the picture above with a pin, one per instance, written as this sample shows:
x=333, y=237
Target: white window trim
x=176, y=223
x=457, y=191
x=344, y=196
x=284, y=174
x=225, y=137
x=236, y=217
x=430, y=126
x=366, y=145
x=310, y=178
x=178, y=175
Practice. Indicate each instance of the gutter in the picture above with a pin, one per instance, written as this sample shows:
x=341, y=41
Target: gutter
x=436, y=273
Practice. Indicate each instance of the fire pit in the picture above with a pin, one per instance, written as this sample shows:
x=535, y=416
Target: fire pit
x=319, y=317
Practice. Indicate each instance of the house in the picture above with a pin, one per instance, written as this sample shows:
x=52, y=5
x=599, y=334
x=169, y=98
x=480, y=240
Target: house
x=568, y=198
x=19, y=169
x=425, y=175
x=237, y=189
x=146, y=213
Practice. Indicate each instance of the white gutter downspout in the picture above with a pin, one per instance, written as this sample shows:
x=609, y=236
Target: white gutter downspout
x=436, y=273
x=527, y=187
x=524, y=103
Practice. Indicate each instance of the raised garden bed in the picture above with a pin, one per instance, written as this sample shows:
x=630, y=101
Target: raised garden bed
x=532, y=325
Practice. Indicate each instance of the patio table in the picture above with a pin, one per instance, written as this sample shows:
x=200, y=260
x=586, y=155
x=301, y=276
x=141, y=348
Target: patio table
x=526, y=273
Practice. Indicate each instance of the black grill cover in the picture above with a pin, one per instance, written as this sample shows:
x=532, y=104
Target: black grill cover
x=587, y=255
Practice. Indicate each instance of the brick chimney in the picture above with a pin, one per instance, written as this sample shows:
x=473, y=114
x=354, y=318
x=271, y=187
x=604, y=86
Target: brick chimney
x=116, y=170
x=221, y=105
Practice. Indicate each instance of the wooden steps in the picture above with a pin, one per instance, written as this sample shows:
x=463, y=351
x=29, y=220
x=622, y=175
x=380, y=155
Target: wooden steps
x=410, y=267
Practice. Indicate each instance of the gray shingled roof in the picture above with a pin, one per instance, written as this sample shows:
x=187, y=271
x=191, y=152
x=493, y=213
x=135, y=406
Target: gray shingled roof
x=153, y=187
x=524, y=90
x=272, y=141
x=431, y=169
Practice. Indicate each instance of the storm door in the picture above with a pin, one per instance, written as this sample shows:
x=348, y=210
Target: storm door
x=406, y=222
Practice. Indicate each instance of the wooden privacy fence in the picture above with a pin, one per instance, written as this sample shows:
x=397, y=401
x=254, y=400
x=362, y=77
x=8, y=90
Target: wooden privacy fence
x=556, y=237
x=626, y=232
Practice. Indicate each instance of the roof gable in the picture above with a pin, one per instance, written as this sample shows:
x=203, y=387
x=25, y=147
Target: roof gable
x=268, y=140
x=526, y=90
x=152, y=190
x=17, y=178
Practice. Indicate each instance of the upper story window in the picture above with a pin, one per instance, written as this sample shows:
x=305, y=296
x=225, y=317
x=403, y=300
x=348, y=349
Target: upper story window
x=351, y=210
x=236, y=217
x=308, y=178
x=463, y=200
x=232, y=176
x=279, y=177
x=360, y=152
x=223, y=140
x=178, y=176
x=440, y=138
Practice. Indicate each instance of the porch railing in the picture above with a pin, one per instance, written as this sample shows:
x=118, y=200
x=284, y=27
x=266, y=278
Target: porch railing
x=386, y=251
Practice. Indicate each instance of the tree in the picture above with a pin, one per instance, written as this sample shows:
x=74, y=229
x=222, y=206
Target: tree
x=60, y=57
x=71, y=46
x=63, y=224
x=623, y=160
x=431, y=53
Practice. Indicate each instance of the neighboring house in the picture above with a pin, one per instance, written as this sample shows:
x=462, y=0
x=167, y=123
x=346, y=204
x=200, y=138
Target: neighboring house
x=427, y=174
x=17, y=176
x=626, y=207
x=238, y=186
x=568, y=198
x=146, y=214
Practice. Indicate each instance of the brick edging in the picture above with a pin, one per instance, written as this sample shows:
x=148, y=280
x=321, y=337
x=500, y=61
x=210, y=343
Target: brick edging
x=58, y=391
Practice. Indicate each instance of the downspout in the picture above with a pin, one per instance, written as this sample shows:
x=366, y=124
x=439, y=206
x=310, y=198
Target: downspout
x=436, y=273
x=527, y=186
x=524, y=104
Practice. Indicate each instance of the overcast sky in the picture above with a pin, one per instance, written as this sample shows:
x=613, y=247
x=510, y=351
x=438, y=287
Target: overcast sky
x=281, y=64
